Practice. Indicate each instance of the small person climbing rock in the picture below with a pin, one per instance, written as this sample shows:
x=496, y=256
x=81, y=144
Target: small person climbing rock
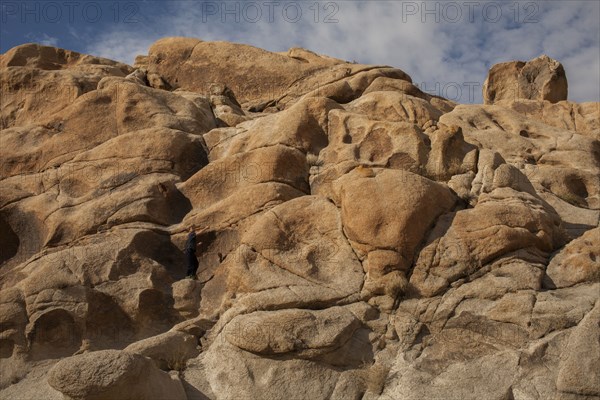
x=190, y=252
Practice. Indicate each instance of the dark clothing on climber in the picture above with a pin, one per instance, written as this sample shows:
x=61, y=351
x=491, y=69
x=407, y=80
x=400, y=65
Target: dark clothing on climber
x=190, y=244
x=190, y=255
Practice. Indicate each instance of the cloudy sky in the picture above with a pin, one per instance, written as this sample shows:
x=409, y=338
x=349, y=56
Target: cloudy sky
x=446, y=47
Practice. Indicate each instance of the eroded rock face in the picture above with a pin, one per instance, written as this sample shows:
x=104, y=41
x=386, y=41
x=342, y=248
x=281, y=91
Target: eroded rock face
x=362, y=239
x=37, y=81
x=113, y=374
x=577, y=262
x=539, y=79
x=196, y=65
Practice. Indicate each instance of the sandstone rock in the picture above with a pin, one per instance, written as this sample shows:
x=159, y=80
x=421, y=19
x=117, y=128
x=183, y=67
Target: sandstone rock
x=368, y=221
x=63, y=315
x=227, y=368
x=52, y=58
x=342, y=83
x=576, y=220
x=386, y=84
x=186, y=294
x=308, y=334
x=579, y=368
x=38, y=81
x=435, y=376
x=456, y=248
x=196, y=326
x=174, y=59
x=156, y=81
x=75, y=130
x=195, y=65
x=138, y=76
x=553, y=159
x=361, y=239
x=194, y=379
x=512, y=308
x=30, y=95
x=577, y=262
x=84, y=183
x=384, y=221
x=356, y=140
x=577, y=117
x=303, y=126
x=169, y=350
x=113, y=374
x=23, y=382
x=395, y=106
x=450, y=155
x=13, y=319
x=226, y=108
x=407, y=329
x=203, y=104
x=562, y=308
x=304, y=260
x=539, y=79
x=277, y=163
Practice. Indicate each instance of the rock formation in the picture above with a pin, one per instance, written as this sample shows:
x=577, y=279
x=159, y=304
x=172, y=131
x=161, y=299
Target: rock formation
x=539, y=79
x=364, y=240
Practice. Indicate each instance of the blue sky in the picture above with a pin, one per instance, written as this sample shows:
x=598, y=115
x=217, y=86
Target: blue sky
x=446, y=47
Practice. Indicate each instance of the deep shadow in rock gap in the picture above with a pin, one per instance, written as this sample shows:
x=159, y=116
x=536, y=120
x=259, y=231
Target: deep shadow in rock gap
x=159, y=247
x=193, y=393
x=9, y=241
x=55, y=334
x=212, y=250
x=107, y=325
x=172, y=206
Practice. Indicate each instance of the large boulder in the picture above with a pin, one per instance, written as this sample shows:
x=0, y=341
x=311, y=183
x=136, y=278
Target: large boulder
x=383, y=219
x=539, y=79
x=196, y=65
x=583, y=118
x=579, y=369
x=577, y=262
x=113, y=374
x=259, y=78
x=294, y=255
x=554, y=160
x=169, y=350
x=355, y=139
x=33, y=55
x=304, y=333
x=504, y=221
x=38, y=81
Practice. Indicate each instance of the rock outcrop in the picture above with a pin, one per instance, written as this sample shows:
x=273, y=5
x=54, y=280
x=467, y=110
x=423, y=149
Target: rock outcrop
x=113, y=374
x=539, y=79
x=362, y=239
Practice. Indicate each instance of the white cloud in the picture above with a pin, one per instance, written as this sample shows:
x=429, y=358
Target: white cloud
x=383, y=32
x=120, y=46
x=73, y=32
x=43, y=39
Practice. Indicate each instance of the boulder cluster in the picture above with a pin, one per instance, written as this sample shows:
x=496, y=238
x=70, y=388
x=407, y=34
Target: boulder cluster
x=363, y=239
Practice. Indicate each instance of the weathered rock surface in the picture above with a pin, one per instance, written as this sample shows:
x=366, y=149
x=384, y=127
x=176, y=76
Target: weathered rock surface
x=577, y=262
x=196, y=65
x=539, y=79
x=362, y=239
x=111, y=374
x=38, y=81
x=169, y=350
